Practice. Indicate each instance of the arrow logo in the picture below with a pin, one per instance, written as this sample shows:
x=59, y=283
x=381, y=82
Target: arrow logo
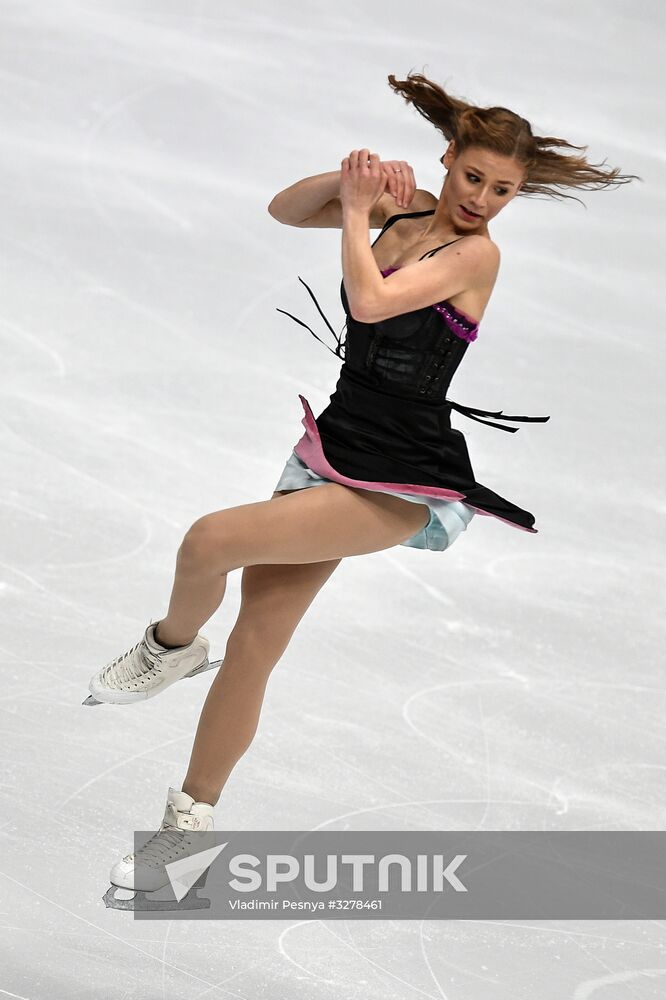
x=186, y=871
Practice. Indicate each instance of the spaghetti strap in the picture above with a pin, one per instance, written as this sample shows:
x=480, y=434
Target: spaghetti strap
x=429, y=253
x=412, y=215
x=404, y=215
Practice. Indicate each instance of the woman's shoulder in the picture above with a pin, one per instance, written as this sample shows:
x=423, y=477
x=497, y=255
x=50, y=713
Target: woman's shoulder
x=474, y=300
x=483, y=247
x=486, y=257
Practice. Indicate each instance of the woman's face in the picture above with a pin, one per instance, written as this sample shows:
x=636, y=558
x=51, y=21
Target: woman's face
x=480, y=181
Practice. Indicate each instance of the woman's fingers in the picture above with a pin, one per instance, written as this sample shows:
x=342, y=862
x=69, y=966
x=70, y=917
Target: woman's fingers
x=392, y=178
x=360, y=157
x=403, y=178
x=363, y=158
x=410, y=182
x=402, y=183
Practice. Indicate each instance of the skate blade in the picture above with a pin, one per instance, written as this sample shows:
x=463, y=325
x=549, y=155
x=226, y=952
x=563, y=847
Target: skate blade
x=91, y=700
x=143, y=900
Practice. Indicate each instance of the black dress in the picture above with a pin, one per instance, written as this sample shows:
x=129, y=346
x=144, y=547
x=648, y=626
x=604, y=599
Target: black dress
x=388, y=422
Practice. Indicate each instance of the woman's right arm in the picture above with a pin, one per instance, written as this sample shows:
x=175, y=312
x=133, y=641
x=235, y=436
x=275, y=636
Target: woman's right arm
x=314, y=203
x=298, y=203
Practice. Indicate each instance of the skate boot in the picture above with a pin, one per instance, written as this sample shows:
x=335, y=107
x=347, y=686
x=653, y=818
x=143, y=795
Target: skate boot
x=186, y=830
x=146, y=670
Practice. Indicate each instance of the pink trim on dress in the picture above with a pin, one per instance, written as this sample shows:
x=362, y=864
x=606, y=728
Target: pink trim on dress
x=454, y=323
x=310, y=450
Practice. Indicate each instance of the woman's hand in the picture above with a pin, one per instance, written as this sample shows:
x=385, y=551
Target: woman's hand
x=401, y=181
x=364, y=178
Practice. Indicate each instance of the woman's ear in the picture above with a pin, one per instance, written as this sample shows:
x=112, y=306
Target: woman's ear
x=450, y=152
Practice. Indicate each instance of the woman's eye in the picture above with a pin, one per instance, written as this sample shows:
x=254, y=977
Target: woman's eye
x=474, y=177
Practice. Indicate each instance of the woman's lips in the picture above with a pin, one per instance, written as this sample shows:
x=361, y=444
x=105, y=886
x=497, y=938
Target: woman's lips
x=469, y=215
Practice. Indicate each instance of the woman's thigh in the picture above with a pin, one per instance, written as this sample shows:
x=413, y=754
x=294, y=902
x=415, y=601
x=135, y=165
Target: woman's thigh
x=310, y=525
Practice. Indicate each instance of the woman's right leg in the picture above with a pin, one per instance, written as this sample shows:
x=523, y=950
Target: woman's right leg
x=274, y=599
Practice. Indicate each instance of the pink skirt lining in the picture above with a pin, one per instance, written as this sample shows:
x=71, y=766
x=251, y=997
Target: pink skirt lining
x=310, y=450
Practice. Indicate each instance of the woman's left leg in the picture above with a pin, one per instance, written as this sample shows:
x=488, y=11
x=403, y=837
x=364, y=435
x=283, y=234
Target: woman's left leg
x=273, y=602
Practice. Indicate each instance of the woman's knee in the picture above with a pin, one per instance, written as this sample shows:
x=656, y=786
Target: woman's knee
x=208, y=536
x=205, y=539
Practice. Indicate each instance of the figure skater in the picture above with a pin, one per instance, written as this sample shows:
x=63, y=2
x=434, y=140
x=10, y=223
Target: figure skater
x=389, y=468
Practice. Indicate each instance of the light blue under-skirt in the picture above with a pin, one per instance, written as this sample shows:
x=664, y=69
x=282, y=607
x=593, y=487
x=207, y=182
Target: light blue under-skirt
x=448, y=518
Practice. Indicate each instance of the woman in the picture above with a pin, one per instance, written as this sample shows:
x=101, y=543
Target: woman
x=389, y=467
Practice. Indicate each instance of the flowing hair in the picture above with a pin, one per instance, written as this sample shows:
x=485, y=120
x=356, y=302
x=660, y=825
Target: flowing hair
x=505, y=132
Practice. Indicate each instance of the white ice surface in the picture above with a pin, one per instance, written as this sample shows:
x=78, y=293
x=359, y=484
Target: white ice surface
x=514, y=682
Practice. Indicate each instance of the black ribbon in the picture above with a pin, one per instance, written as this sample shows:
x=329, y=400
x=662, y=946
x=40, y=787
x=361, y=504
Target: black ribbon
x=469, y=411
x=338, y=339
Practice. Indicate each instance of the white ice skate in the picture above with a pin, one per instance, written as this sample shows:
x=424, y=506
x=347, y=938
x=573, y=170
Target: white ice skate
x=148, y=669
x=186, y=830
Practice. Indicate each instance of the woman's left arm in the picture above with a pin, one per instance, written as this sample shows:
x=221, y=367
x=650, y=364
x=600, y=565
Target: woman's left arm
x=373, y=298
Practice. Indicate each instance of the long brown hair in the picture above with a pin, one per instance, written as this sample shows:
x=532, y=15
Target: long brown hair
x=505, y=132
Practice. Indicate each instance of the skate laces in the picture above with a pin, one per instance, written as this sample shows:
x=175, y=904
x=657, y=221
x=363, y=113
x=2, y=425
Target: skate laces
x=160, y=844
x=164, y=841
x=132, y=665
